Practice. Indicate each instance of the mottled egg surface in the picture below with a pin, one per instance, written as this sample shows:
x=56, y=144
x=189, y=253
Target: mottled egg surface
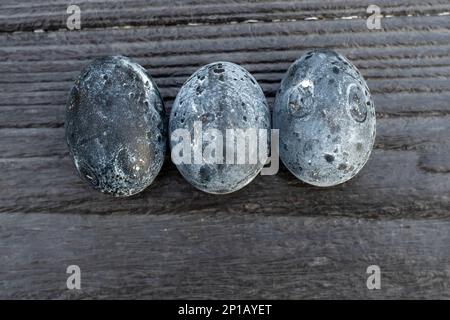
x=220, y=96
x=115, y=126
x=326, y=118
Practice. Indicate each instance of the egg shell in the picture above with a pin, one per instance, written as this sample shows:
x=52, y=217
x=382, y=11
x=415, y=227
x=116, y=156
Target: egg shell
x=326, y=118
x=115, y=126
x=221, y=96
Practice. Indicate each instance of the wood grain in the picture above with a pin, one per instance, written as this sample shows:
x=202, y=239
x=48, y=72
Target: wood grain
x=277, y=237
x=101, y=14
x=222, y=255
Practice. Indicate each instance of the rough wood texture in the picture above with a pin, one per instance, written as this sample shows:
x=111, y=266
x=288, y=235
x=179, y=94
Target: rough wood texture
x=276, y=238
x=222, y=255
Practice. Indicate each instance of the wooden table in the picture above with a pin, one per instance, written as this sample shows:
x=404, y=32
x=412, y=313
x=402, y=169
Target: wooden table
x=276, y=238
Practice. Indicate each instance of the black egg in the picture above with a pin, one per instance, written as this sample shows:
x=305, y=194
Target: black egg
x=115, y=126
x=218, y=98
x=326, y=118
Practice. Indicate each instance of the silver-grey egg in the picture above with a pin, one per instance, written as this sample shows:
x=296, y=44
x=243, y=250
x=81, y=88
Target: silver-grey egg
x=220, y=97
x=115, y=126
x=326, y=118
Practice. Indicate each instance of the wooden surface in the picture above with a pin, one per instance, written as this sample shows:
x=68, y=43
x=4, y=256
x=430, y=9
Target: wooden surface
x=276, y=238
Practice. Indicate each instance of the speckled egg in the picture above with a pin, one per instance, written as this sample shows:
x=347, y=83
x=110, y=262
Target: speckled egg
x=220, y=97
x=115, y=126
x=326, y=118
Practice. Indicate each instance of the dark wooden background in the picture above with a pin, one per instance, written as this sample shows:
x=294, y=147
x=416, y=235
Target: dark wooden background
x=276, y=238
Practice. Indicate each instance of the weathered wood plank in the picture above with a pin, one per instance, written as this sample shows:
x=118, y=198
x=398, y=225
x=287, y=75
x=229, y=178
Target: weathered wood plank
x=234, y=256
x=256, y=29
x=364, y=56
x=141, y=13
x=224, y=45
